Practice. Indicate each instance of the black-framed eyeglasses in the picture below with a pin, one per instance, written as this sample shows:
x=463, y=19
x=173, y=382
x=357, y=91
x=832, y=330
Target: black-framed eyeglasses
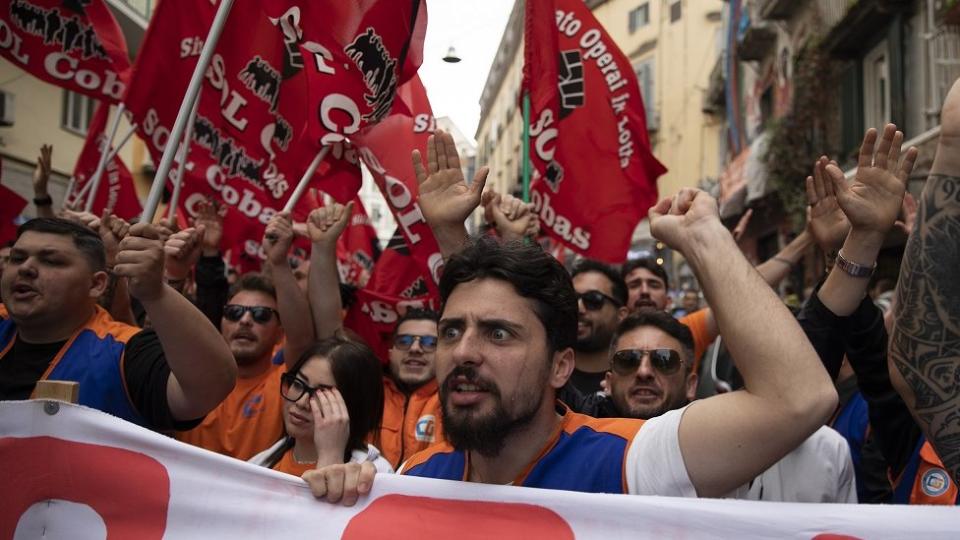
x=260, y=314
x=403, y=342
x=626, y=362
x=292, y=388
x=593, y=300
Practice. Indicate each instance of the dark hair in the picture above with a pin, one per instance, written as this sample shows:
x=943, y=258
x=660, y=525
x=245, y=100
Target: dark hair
x=660, y=320
x=532, y=272
x=650, y=265
x=85, y=239
x=359, y=379
x=253, y=281
x=618, y=286
x=417, y=314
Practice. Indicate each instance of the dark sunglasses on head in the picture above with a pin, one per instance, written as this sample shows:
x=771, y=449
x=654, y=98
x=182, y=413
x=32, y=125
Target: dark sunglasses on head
x=260, y=314
x=404, y=341
x=626, y=362
x=292, y=388
x=593, y=300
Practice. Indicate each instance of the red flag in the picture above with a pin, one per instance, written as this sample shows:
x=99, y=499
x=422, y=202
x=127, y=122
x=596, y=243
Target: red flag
x=74, y=44
x=594, y=176
x=11, y=205
x=396, y=285
x=385, y=149
x=116, y=190
x=358, y=248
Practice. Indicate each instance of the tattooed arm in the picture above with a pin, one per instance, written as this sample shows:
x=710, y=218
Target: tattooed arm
x=925, y=343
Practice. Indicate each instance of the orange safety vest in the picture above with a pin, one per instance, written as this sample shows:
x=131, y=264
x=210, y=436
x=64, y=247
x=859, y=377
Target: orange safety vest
x=925, y=480
x=410, y=423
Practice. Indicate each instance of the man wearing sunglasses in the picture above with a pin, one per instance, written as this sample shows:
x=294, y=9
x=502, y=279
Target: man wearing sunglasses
x=602, y=304
x=411, y=406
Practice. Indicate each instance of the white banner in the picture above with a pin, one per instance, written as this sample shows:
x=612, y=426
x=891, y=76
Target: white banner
x=80, y=473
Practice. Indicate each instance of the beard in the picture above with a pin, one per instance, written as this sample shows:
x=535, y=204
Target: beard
x=598, y=340
x=486, y=433
x=646, y=412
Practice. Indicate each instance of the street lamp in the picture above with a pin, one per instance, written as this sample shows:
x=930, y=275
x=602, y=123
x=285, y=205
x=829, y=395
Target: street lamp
x=451, y=57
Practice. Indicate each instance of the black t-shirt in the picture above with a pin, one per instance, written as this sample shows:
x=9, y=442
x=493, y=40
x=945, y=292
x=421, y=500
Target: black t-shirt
x=145, y=371
x=586, y=382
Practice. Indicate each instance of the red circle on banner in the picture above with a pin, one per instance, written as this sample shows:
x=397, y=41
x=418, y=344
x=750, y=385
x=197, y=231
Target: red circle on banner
x=130, y=491
x=403, y=517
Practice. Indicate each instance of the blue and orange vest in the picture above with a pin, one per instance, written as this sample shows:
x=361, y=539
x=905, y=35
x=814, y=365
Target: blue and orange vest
x=93, y=357
x=925, y=480
x=585, y=454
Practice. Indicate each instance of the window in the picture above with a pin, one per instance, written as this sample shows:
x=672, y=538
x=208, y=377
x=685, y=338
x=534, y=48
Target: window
x=644, y=71
x=639, y=17
x=76, y=113
x=675, y=11
x=876, y=87
x=142, y=7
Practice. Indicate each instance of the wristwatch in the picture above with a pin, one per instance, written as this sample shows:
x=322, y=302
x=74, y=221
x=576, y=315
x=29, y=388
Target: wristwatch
x=853, y=269
x=46, y=200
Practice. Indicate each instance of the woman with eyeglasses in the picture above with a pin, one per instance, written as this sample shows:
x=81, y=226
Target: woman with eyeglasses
x=333, y=398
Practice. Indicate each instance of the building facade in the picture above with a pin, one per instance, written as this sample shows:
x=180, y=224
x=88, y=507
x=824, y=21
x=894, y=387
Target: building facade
x=796, y=79
x=35, y=113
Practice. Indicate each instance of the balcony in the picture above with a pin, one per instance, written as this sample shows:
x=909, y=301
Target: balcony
x=849, y=25
x=756, y=41
x=779, y=9
x=714, y=99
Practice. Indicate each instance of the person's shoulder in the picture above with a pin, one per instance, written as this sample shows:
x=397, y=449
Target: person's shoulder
x=438, y=452
x=626, y=428
x=103, y=325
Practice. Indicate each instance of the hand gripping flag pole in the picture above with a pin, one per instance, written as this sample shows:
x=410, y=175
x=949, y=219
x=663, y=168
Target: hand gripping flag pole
x=193, y=91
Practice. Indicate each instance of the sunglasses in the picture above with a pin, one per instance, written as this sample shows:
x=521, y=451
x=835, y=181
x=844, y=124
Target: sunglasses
x=260, y=314
x=665, y=361
x=403, y=342
x=593, y=300
x=292, y=388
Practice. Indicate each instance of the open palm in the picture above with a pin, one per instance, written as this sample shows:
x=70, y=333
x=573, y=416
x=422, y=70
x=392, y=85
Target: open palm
x=872, y=202
x=445, y=197
x=825, y=220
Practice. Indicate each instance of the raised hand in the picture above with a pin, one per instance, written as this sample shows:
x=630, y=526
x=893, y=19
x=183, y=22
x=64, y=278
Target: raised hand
x=681, y=220
x=210, y=217
x=872, y=202
x=445, y=197
x=181, y=252
x=140, y=260
x=513, y=218
x=41, y=175
x=327, y=223
x=278, y=238
x=331, y=426
x=825, y=220
x=909, y=211
x=111, y=230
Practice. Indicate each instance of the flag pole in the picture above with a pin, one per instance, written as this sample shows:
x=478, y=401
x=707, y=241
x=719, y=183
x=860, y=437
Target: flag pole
x=305, y=180
x=526, y=147
x=119, y=146
x=181, y=167
x=104, y=156
x=193, y=90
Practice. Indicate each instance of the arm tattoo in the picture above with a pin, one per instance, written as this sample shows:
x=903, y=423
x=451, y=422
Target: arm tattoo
x=925, y=343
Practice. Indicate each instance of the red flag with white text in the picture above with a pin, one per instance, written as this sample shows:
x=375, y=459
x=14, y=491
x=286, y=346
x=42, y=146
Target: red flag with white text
x=74, y=44
x=358, y=248
x=116, y=191
x=396, y=285
x=594, y=175
x=385, y=149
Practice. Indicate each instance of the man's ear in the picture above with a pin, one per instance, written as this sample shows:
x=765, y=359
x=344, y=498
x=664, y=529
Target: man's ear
x=692, y=380
x=98, y=284
x=562, y=368
x=622, y=313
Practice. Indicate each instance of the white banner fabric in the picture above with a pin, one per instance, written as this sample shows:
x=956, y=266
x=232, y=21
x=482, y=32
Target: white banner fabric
x=80, y=473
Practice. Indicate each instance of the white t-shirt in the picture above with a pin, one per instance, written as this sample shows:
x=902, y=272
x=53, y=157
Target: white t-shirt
x=818, y=471
x=654, y=463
